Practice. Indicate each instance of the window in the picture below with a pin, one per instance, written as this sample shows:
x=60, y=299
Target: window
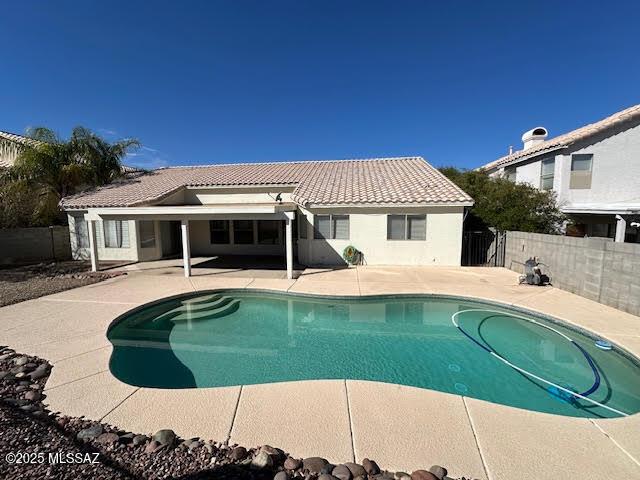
x=331, y=227
x=243, y=232
x=219, y=231
x=546, y=173
x=116, y=233
x=406, y=227
x=510, y=173
x=147, y=234
x=82, y=233
x=581, y=165
x=269, y=232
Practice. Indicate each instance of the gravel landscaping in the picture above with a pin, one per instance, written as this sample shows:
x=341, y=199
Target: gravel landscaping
x=22, y=283
x=36, y=443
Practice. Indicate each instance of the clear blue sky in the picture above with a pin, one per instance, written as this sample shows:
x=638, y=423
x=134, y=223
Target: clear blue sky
x=215, y=82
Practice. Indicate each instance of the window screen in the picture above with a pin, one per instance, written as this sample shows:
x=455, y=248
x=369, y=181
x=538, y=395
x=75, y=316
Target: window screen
x=581, y=166
x=416, y=227
x=340, y=226
x=322, y=226
x=546, y=173
x=147, y=234
x=243, y=232
x=219, y=231
x=396, y=227
x=581, y=162
x=116, y=233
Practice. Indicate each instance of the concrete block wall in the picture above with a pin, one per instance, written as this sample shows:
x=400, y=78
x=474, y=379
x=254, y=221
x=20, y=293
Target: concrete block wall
x=23, y=245
x=595, y=268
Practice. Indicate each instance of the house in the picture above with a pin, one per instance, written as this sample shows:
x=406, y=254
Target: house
x=594, y=170
x=11, y=145
x=396, y=211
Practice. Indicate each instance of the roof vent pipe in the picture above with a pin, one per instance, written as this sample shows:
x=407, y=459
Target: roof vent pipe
x=534, y=136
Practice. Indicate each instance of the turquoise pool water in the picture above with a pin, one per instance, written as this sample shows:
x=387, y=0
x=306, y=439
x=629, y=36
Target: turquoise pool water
x=238, y=337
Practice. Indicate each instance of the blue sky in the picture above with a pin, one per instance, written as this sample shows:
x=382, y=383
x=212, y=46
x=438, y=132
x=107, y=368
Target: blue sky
x=218, y=82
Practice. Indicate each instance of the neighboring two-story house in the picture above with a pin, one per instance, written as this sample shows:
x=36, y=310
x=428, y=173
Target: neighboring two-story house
x=594, y=170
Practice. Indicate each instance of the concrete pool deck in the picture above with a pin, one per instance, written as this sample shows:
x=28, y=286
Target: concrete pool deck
x=402, y=428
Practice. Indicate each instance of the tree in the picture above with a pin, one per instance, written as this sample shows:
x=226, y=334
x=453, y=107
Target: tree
x=53, y=168
x=506, y=205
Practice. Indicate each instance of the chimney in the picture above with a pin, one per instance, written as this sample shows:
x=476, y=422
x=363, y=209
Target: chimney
x=534, y=136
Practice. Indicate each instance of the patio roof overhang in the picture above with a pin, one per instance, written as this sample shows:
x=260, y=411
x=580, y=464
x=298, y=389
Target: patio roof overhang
x=194, y=212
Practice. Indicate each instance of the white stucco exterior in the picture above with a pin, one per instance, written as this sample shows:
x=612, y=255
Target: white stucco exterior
x=367, y=230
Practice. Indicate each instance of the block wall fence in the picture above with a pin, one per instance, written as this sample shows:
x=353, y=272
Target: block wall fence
x=24, y=245
x=596, y=268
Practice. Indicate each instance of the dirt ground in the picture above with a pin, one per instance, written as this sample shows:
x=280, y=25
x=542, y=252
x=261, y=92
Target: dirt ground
x=22, y=283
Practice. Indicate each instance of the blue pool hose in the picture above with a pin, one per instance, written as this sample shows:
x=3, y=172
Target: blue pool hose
x=584, y=395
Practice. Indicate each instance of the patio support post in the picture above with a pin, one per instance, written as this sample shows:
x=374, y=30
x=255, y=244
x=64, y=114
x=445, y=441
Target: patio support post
x=93, y=244
x=621, y=228
x=186, y=248
x=289, y=243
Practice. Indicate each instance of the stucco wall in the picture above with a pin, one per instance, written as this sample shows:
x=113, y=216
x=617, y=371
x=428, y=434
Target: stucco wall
x=368, y=233
x=219, y=195
x=129, y=253
x=200, y=240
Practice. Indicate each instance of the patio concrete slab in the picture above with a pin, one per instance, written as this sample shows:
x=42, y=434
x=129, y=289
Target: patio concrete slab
x=384, y=288
x=329, y=275
x=80, y=366
x=214, y=282
x=133, y=288
x=325, y=288
x=69, y=347
x=281, y=284
x=517, y=443
x=623, y=431
x=631, y=343
x=93, y=397
x=388, y=275
x=303, y=418
x=406, y=428
x=193, y=412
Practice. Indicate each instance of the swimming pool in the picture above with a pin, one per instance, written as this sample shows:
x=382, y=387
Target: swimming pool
x=455, y=345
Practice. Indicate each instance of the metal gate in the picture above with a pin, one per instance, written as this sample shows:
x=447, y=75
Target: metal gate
x=483, y=249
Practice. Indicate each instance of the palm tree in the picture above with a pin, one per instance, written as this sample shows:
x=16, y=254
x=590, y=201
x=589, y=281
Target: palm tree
x=56, y=168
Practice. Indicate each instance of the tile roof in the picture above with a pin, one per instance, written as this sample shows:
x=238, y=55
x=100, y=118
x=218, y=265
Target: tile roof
x=630, y=114
x=378, y=181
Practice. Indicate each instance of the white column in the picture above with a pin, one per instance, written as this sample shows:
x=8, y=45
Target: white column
x=289, y=243
x=186, y=248
x=93, y=244
x=621, y=228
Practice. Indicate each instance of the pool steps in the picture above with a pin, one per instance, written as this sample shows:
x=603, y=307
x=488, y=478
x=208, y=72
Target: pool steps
x=212, y=306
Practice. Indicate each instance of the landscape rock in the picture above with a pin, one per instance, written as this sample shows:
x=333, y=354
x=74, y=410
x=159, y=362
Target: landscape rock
x=165, y=437
x=355, y=469
x=292, y=463
x=139, y=440
x=438, y=471
x=328, y=468
x=153, y=446
x=261, y=460
x=370, y=466
x=342, y=472
x=238, y=453
x=423, y=475
x=33, y=396
x=327, y=476
x=314, y=464
x=90, y=433
x=281, y=476
x=107, y=438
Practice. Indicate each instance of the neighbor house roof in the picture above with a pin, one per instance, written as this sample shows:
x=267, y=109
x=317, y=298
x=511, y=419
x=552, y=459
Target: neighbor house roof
x=630, y=114
x=378, y=181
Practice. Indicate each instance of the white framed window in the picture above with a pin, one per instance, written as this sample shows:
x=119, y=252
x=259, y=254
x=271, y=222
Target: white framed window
x=147, y=234
x=547, y=168
x=243, y=232
x=116, y=233
x=581, y=167
x=406, y=227
x=331, y=227
x=219, y=231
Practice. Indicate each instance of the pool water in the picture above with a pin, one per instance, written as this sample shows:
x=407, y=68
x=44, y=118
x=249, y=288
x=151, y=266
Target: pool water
x=238, y=337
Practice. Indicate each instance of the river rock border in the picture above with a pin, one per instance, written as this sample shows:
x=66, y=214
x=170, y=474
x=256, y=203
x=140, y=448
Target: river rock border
x=164, y=455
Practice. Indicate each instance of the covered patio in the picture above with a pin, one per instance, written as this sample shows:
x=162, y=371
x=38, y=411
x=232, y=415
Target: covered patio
x=186, y=215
